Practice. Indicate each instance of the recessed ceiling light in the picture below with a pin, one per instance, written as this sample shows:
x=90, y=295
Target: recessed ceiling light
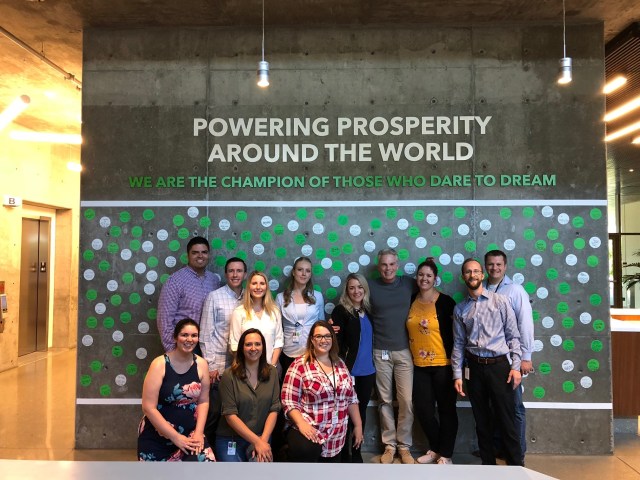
x=631, y=169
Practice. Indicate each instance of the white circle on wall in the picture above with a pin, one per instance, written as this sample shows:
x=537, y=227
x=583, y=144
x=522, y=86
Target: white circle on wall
x=100, y=308
x=585, y=318
x=567, y=366
x=421, y=242
x=571, y=259
x=89, y=274
x=126, y=254
x=403, y=224
x=369, y=246
x=152, y=275
x=140, y=268
x=547, y=322
x=326, y=263
x=586, y=382
x=458, y=259
x=266, y=221
x=547, y=211
x=463, y=229
x=485, y=225
x=193, y=212
x=583, y=277
x=392, y=242
x=87, y=340
x=556, y=340
x=143, y=327
x=121, y=380
x=258, y=249
x=112, y=285
x=335, y=281
x=509, y=244
x=318, y=228
x=353, y=267
x=438, y=281
x=105, y=222
x=287, y=270
x=306, y=250
x=518, y=278
x=355, y=230
x=274, y=285
x=542, y=293
x=432, y=219
x=563, y=219
x=141, y=353
x=170, y=261
x=224, y=225
x=538, y=346
x=96, y=244
x=293, y=226
x=162, y=235
x=149, y=289
x=364, y=260
x=594, y=242
x=117, y=336
x=328, y=308
x=536, y=260
x=147, y=246
x=410, y=268
x=444, y=259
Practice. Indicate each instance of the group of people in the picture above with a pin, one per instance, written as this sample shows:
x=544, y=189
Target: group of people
x=251, y=374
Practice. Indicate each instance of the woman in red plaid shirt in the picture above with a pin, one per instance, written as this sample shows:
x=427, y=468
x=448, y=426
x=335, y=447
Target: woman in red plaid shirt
x=317, y=395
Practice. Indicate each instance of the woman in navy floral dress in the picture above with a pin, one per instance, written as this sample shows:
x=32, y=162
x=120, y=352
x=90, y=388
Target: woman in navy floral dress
x=175, y=400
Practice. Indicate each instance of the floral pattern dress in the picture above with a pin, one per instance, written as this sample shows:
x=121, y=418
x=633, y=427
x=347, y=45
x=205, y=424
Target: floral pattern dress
x=177, y=402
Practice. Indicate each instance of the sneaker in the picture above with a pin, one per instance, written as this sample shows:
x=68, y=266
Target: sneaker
x=387, y=456
x=405, y=455
x=429, y=457
x=444, y=461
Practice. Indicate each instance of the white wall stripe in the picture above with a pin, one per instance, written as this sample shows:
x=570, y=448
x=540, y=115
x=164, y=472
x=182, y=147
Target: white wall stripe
x=346, y=203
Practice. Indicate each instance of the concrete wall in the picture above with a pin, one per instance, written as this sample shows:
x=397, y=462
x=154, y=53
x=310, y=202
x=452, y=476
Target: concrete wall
x=38, y=174
x=144, y=88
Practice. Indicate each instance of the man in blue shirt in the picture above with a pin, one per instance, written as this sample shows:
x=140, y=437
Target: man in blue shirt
x=485, y=334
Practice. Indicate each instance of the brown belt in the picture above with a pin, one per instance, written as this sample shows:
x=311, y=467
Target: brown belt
x=485, y=360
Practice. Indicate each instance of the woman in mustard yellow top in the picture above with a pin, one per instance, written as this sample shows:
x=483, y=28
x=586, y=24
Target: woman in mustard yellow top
x=430, y=328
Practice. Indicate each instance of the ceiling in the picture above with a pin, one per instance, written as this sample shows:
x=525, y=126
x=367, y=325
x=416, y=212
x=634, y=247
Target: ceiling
x=53, y=28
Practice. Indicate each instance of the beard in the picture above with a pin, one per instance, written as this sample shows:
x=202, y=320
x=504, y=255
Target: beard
x=473, y=283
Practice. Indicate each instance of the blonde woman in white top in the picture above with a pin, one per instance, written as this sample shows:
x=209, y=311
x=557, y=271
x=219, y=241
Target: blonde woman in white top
x=258, y=310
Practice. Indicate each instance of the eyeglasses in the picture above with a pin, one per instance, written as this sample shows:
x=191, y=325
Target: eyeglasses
x=317, y=338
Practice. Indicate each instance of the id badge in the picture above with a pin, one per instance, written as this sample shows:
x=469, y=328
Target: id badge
x=467, y=373
x=231, y=448
x=334, y=418
x=296, y=336
x=385, y=354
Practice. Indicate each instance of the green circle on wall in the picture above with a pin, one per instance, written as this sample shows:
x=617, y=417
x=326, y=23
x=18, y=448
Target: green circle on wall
x=259, y=266
x=598, y=325
x=184, y=258
x=134, y=298
x=221, y=260
x=231, y=244
x=505, y=213
x=278, y=229
x=91, y=295
x=216, y=243
x=568, y=345
x=564, y=288
x=552, y=274
x=300, y=239
x=125, y=217
x=241, y=216
x=529, y=234
x=595, y=213
x=131, y=369
x=403, y=254
x=536, y=315
x=578, y=222
x=593, y=365
x=105, y=390
x=541, y=245
x=115, y=231
x=568, y=386
x=266, y=237
x=563, y=307
x=183, y=233
x=85, y=380
x=445, y=232
x=317, y=270
x=148, y=214
x=492, y=246
x=281, y=252
x=544, y=368
x=92, y=322
x=113, y=248
x=538, y=392
x=568, y=322
x=127, y=277
x=241, y=254
x=528, y=212
x=458, y=297
x=321, y=253
x=174, y=245
x=152, y=262
x=557, y=248
x=579, y=243
x=332, y=237
x=460, y=212
x=595, y=299
x=519, y=263
x=530, y=288
x=178, y=220
x=592, y=261
x=152, y=314
x=470, y=246
x=88, y=255
x=331, y=293
x=117, y=351
x=419, y=216
x=347, y=249
x=205, y=222
x=108, y=322
x=343, y=220
x=376, y=223
x=436, y=251
x=116, y=300
x=125, y=317
x=391, y=213
x=596, y=345
x=164, y=277
x=275, y=271
x=95, y=366
x=89, y=214
x=337, y=266
x=301, y=213
x=414, y=232
x=446, y=277
x=334, y=251
x=136, y=232
x=135, y=245
x=552, y=234
x=319, y=213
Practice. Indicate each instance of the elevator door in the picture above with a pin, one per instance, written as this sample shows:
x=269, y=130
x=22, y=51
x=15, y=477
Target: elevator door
x=34, y=286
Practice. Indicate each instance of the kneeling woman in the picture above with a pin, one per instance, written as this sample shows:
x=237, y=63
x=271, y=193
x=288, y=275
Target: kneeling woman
x=317, y=395
x=175, y=400
x=250, y=395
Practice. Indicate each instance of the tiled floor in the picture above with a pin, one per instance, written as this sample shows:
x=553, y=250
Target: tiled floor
x=37, y=423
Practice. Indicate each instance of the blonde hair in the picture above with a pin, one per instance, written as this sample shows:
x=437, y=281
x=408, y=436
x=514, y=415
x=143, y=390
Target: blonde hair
x=267, y=301
x=346, y=302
